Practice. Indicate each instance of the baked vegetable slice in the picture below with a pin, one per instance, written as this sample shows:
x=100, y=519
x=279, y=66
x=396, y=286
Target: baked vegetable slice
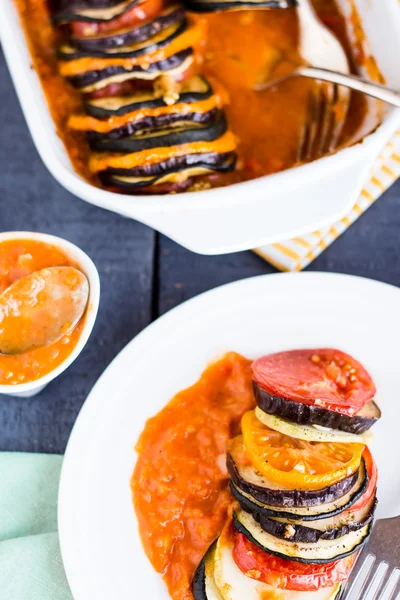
x=176, y=174
x=310, y=433
x=151, y=124
x=65, y=11
x=297, y=464
x=102, y=160
x=305, y=414
x=204, y=586
x=138, y=13
x=174, y=66
x=170, y=42
x=205, y=6
x=195, y=89
x=332, y=528
x=312, y=512
x=233, y=584
x=173, y=136
x=324, y=377
x=161, y=39
x=127, y=37
x=287, y=574
x=250, y=481
x=323, y=551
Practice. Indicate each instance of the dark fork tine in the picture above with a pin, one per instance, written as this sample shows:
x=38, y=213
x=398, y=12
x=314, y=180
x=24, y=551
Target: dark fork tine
x=311, y=125
x=327, y=118
x=322, y=127
x=341, y=104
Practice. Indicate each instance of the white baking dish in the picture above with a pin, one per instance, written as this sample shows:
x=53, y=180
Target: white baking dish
x=244, y=215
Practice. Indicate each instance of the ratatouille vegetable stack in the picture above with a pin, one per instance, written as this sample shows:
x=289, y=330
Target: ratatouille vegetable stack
x=152, y=121
x=303, y=479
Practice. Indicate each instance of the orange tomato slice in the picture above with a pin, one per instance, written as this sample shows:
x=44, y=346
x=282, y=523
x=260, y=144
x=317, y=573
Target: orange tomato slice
x=296, y=464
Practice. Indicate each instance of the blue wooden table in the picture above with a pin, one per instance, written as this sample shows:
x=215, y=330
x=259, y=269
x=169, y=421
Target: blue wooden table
x=143, y=274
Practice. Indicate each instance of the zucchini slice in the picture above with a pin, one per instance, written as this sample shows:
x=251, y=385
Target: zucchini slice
x=310, y=433
x=323, y=551
x=331, y=528
x=174, y=66
x=204, y=6
x=163, y=38
x=127, y=37
x=303, y=414
x=164, y=138
x=304, y=513
x=233, y=584
x=176, y=175
x=248, y=480
x=89, y=11
x=204, y=586
x=194, y=90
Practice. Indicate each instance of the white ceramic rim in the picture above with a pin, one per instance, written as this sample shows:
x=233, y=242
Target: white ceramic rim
x=89, y=268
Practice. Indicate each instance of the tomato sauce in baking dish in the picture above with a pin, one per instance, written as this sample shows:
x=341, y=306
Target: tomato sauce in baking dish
x=19, y=258
x=251, y=133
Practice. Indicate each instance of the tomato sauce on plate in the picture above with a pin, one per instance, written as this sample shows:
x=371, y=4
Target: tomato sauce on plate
x=180, y=483
x=19, y=258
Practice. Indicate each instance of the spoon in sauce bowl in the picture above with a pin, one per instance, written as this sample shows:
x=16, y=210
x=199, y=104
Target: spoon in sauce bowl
x=39, y=309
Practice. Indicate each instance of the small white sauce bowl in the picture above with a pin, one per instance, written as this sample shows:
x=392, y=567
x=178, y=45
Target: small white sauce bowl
x=31, y=388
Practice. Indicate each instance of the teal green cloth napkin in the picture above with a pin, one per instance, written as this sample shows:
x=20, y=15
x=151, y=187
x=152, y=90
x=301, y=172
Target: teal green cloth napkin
x=30, y=560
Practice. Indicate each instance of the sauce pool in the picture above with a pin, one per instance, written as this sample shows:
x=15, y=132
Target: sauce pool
x=19, y=258
x=180, y=483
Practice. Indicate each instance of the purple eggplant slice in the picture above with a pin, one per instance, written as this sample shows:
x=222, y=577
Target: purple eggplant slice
x=163, y=38
x=320, y=552
x=315, y=512
x=332, y=528
x=205, y=6
x=249, y=481
x=304, y=414
x=152, y=124
x=174, y=65
x=177, y=163
x=203, y=584
x=172, y=136
x=194, y=90
x=128, y=37
x=185, y=172
x=91, y=11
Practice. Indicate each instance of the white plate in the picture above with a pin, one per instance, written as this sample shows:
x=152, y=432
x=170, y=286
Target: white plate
x=101, y=549
x=245, y=215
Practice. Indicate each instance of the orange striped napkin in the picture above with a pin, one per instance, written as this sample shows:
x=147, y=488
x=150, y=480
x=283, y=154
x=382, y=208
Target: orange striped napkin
x=298, y=253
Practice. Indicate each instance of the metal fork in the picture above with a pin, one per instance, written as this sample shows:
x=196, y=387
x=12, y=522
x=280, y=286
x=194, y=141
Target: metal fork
x=376, y=574
x=329, y=103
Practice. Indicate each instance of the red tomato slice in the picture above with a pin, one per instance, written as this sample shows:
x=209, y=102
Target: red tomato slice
x=122, y=88
x=286, y=574
x=371, y=488
x=325, y=377
x=137, y=14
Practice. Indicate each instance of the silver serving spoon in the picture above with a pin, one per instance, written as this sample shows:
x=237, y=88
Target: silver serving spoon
x=37, y=310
